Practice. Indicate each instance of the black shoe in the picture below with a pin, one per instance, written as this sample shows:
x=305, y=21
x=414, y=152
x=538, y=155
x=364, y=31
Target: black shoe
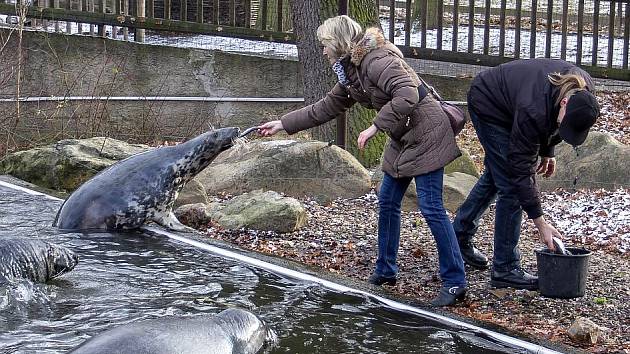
x=379, y=280
x=516, y=278
x=472, y=256
x=449, y=296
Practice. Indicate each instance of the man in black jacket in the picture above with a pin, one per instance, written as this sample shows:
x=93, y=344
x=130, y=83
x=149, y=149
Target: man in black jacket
x=520, y=111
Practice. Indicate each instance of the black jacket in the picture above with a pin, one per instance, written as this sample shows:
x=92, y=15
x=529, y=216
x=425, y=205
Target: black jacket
x=519, y=97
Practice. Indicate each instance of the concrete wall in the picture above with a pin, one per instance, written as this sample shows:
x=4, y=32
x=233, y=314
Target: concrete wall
x=60, y=65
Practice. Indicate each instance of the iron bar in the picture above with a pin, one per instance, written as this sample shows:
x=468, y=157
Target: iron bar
x=455, y=25
x=565, y=20
x=549, y=28
x=533, y=28
x=611, y=34
x=580, y=32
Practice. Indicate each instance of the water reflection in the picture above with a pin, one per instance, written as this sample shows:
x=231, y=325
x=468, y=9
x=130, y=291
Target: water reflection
x=128, y=277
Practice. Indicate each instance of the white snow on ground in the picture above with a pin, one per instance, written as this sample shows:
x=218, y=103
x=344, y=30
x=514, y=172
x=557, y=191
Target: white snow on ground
x=598, y=217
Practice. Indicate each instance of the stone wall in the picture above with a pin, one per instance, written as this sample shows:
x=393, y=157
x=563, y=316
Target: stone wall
x=61, y=65
x=74, y=66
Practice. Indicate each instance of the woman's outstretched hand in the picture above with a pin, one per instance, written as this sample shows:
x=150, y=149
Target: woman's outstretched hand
x=270, y=128
x=366, y=135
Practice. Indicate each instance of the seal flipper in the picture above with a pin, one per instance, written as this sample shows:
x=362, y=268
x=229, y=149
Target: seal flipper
x=169, y=221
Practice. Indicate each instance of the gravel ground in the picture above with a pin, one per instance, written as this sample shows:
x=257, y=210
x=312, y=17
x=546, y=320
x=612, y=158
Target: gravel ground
x=342, y=238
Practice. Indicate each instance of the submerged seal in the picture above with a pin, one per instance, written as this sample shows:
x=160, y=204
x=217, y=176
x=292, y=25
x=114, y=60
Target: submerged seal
x=142, y=187
x=231, y=331
x=35, y=260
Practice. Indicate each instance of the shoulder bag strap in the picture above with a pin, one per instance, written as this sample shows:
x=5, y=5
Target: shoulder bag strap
x=431, y=89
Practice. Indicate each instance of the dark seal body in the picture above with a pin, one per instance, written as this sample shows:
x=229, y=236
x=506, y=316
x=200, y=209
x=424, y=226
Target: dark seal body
x=142, y=187
x=231, y=331
x=35, y=260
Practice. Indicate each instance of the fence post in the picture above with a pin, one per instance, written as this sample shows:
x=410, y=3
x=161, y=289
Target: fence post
x=342, y=118
x=139, y=33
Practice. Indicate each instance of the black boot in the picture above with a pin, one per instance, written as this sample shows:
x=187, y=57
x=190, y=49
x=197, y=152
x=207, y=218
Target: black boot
x=472, y=256
x=449, y=296
x=516, y=278
x=380, y=280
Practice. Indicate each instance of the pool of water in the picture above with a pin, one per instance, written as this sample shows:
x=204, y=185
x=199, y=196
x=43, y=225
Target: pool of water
x=123, y=278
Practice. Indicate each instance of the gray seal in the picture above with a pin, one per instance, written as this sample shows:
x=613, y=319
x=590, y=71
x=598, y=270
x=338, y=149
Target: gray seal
x=231, y=331
x=35, y=260
x=142, y=187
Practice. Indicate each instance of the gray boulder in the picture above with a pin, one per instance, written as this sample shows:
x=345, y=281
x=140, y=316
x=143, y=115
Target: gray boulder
x=457, y=186
x=463, y=164
x=192, y=193
x=601, y=162
x=305, y=168
x=258, y=210
x=460, y=177
x=194, y=215
x=67, y=164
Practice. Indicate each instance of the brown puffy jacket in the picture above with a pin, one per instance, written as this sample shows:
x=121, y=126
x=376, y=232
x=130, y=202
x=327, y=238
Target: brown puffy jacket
x=379, y=78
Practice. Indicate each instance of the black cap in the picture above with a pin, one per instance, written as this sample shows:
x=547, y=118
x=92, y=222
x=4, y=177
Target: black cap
x=582, y=111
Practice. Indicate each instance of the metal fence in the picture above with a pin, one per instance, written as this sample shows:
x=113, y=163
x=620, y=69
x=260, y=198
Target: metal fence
x=591, y=33
x=264, y=20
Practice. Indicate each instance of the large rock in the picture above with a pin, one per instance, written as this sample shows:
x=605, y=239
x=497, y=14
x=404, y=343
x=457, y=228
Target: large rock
x=258, y=210
x=457, y=186
x=601, y=162
x=463, y=164
x=460, y=177
x=192, y=193
x=67, y=164
x=305, y=168
x=195, y=215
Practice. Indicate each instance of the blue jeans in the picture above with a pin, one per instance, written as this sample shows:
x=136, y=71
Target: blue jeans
x=429, y=189
x=495, y=182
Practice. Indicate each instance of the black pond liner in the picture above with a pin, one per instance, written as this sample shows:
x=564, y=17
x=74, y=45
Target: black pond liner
x=560, y=275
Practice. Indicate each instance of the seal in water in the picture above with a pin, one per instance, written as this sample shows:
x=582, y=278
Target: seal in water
x=35, y=260
x=231, y=331
x=142, y=187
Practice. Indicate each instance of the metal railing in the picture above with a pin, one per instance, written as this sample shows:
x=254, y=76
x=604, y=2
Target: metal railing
x=264, y=20
x=591, y=33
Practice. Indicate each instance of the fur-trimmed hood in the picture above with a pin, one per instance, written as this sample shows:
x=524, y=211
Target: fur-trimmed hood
x=372, y=39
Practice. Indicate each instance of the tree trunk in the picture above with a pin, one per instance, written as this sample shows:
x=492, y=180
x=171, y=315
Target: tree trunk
x=318, y=77
x=418, y=15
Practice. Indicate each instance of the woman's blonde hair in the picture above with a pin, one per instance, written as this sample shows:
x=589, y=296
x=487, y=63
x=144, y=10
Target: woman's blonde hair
x=568, y=84
x=338, y=33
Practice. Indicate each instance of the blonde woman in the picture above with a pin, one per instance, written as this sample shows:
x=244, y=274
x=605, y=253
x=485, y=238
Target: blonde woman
x=520, y=111
x=372, y=71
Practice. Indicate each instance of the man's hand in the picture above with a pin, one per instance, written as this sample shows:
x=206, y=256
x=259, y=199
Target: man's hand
x=270, y=128
x=366, y=135
x=546, y=232
x=547, y=166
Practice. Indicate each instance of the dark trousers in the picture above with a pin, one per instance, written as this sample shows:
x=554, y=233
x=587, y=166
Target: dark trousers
x=495, y=182
x=429, y=189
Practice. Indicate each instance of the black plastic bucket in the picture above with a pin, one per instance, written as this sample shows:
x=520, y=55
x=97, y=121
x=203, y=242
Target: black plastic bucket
x=562, y=276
